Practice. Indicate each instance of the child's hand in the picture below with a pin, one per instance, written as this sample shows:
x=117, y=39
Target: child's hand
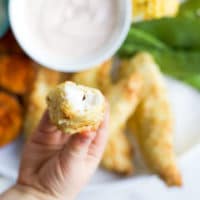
x=56, y=165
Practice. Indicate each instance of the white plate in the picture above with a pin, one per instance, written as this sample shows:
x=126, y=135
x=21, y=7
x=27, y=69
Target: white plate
x=186, y=107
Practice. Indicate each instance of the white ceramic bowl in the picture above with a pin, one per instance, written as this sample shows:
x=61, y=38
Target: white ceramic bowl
x=17, y=20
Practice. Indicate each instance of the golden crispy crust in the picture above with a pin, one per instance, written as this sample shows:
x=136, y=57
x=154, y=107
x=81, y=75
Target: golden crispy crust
x=152, y=123
x=118, y=155
x=98, y=77
x=69, y=120
x=17, y=73
x=123, y=98
x=10, y=118
x=36, y=99
x=152, y=126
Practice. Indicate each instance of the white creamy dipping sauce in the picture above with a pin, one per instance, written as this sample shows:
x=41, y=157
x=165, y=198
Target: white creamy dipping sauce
x=71, y=28
x=80, y=99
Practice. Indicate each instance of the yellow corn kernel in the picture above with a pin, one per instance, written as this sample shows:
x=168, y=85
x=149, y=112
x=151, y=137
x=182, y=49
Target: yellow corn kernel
x=149, y=9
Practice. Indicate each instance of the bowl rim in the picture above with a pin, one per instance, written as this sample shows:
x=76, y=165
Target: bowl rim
x=78, y=66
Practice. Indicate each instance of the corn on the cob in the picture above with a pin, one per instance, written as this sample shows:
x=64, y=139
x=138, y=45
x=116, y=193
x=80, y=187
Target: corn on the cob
x=149, y=9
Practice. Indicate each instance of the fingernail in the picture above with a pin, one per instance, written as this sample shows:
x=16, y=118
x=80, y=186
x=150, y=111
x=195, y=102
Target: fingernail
x=87, y=136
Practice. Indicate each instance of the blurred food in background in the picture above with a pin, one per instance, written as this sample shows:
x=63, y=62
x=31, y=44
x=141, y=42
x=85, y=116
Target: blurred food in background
x=152, y=122
x=123, y=98
x=149, y=9
x=173, y=42
x=11, y=118
x=28, y=83
x=17, y=73
x=35, y=99
x=98, y=77
x=164, y=38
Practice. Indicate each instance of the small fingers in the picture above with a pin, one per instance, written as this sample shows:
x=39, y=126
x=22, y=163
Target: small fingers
x=97, y=147
x=89, y=143
x=78, y=145
x=48, y=134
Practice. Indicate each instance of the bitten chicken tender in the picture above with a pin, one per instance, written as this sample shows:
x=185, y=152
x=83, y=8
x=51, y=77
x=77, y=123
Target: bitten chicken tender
x=152, y=123
x=10, y=118
x=16, y=73
x=123, y=98
x=75, y=108
x=36, y=99
x=98, y=77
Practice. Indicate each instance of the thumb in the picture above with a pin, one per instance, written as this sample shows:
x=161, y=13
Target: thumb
x=48, y=134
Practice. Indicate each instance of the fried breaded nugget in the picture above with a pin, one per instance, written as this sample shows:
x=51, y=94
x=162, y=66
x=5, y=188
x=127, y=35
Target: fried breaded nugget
x=36, y=98
x=152, y=123
x=75, y=108
x=9, y=45
x=16, y=73
x=123, y=98
x=98, y=77
x=10, y=118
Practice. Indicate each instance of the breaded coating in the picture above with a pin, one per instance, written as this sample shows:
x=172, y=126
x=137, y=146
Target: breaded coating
x=152, y=123
x=17, y=72
x=123, y=98
x=75, y=108
x=65, y=77
x=118, y=155
x=98, y=77
x=36, y=98
x=10, y=118
x=8, y=45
